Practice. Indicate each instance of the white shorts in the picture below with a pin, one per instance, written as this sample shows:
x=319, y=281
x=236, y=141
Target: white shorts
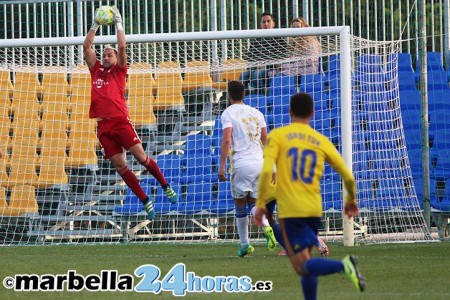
x=244, y=180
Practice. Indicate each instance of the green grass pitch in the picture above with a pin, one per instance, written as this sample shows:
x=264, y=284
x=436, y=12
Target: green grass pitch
x=393, y=271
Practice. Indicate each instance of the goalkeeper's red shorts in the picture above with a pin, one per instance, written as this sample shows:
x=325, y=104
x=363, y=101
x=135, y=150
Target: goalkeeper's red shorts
x=116, y=135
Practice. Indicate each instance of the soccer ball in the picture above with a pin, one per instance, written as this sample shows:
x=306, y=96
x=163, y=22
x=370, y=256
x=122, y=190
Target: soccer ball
x=104, y=15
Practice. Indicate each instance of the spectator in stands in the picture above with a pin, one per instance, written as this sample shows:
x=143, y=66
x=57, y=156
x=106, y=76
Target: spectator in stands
x=115, y=130
x=245, y=131
x=263, y=49
x=307, y=49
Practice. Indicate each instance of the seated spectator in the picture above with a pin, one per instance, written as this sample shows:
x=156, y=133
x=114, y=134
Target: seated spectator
x=263, y=49
x=307, y=49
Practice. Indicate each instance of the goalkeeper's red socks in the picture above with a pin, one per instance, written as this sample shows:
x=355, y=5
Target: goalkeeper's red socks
x=153, y=168
x=132, y=182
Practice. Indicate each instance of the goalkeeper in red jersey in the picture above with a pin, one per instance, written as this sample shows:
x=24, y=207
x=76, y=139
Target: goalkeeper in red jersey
x=115, y=130
x=299, y=153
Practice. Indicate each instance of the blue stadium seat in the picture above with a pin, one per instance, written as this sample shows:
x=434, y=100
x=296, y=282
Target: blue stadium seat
x=197, y=144
x=437, y=80
x=410, y=99
x=311, y=83
x=321, y=100
x=260, y=102
x=198, y=169
x=334, y=66
x=434, y=62
x=161, y=202
x=438, y=100
x=132, y=205
x=406, y=81
x=279, y=120
x=332, y=194
x=440, y=158
x=282, y=85
x=403, y=61
x=418, y=185
x=280, y=104
x=225, y=202
x=441, y=202
x=198, y=197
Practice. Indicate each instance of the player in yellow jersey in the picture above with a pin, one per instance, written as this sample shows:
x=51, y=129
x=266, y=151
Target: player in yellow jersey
x=299, y=153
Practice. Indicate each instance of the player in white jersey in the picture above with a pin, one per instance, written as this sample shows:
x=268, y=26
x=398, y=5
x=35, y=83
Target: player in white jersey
x=245, y=131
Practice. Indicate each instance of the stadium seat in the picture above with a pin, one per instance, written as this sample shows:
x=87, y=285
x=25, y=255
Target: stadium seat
x=22, y=200
x=80, y=99
x=5, y=127
x=406, y=81
x=23, y=162
x=197, y=145
x=280, y=104
x=170, y=165
x=437, y=80
x=282, y=85
x=52, y=172
x=438, y=100
x=5, y=81
x=3, y=203
x=25, y=101
x=28, y=80
x=199, y=197
x=441, y=202
x=169, y=85
x=197, y=75
x=334, y=66
x=132, y=205
x=260, y=102
x=161, y=202
x=332, y=194
x=140, y=85
x=279, y=120
x=410, y=99
x=5, y=99
x=225, y=202
x=231, y=70
x=197, y=169
x=312, y=83
x=400, y=61
x=82, y=143
x=434, y=62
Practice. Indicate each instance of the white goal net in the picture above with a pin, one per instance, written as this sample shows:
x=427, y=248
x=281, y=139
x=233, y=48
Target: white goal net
x=56, y=187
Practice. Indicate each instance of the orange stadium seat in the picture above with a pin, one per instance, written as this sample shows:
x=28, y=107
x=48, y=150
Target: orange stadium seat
x=232, y=69
x=197, y=75
x=22, y=200
x=5, y=81
x=55, y=100
x=169, y=86
x=140, y=100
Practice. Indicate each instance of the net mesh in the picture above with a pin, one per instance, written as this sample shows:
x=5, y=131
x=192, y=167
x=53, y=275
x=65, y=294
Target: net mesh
x=58, y=188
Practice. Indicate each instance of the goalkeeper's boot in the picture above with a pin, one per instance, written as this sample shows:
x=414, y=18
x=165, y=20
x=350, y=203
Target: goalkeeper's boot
x=282, y=253
x=322, y=248
x=271, y=242
x=351, y=271
x=247, y=250
x=149, y=209
x=173, y=197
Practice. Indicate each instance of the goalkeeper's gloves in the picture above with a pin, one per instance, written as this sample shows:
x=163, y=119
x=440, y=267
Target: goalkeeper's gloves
x=117, y=17
x=95, y=25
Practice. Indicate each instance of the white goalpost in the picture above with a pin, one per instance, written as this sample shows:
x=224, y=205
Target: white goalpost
x=56, y=187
